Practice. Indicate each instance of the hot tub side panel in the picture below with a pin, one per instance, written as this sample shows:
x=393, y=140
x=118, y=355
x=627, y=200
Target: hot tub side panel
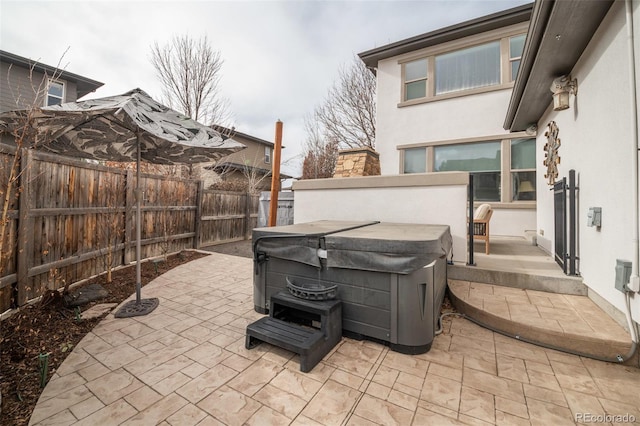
x=364, y=294
x=395, y=308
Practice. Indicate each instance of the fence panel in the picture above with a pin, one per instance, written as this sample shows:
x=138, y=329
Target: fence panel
x=8, y=261
x=227, y=216
x=72, y=219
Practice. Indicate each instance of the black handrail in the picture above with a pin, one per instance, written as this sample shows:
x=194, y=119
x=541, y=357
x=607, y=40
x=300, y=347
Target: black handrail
x=470, y=238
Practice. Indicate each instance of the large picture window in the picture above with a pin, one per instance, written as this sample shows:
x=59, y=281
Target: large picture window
x=504, y=169
x=481, y=158
x=490, y=65
x=469, y=68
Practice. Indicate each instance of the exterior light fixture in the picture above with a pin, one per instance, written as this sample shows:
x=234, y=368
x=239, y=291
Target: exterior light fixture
x=562, y=87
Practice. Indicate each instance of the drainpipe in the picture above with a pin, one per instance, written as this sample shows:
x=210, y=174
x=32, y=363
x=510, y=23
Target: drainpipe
x=635, y=279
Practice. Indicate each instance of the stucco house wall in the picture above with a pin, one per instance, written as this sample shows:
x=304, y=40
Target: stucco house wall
x=471, y=116
x=597, y=142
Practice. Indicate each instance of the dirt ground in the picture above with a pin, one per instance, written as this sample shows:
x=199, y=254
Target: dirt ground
x=49, y=330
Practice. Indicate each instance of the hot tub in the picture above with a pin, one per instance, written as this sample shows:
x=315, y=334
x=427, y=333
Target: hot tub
x=391, y=277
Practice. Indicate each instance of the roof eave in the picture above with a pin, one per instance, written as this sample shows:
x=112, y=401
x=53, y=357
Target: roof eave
x=501, y=19
x=84, y=85
x=559, y=32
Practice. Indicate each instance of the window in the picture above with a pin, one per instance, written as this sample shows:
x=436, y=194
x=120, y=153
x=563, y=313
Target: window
x=516, y=46
x=469, y=68
x=487, y=66
x=523, y=169
x=267, y=154
x=415, y=85
x=415, y=160
x=55, y=93
x=503, y=167
x=481, y=158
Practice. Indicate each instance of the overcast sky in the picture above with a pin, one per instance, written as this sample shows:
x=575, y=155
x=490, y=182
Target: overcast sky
x=280, y=57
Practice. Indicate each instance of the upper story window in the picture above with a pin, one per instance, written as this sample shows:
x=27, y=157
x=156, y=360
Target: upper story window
x=415, y=85
x=55, y=93
x=486, y=66
x=476, y=66
x=516, y=46
x=267, y=154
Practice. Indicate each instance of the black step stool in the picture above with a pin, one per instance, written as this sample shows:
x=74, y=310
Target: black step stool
x=289, y=326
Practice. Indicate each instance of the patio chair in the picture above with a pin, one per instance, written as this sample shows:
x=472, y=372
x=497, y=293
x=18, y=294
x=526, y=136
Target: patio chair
x=481, y=219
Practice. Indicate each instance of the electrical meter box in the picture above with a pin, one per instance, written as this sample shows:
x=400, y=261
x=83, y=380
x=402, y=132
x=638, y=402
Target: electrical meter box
x=623, y=274
x=594, y=216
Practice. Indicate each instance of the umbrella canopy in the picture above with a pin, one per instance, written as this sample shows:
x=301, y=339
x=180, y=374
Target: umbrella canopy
x=113, y=128
x=127, y=127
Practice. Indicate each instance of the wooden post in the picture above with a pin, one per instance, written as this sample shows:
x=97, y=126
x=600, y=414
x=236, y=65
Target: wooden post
x=25, y=228
x=197, y=241
x=275, y=176
x=247, y=216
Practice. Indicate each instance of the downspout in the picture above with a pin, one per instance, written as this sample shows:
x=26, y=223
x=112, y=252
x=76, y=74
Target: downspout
x=634, y=193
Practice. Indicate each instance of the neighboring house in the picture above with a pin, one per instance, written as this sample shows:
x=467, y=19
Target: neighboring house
x=597, y=44
x=441, y=99
x=25, y=83
x=249, y=169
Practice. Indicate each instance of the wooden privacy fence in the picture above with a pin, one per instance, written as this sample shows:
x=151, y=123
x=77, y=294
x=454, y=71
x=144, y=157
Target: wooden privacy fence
x=73, y=219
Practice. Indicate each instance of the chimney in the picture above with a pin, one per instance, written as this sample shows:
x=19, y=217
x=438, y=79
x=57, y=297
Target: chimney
x=363, y=161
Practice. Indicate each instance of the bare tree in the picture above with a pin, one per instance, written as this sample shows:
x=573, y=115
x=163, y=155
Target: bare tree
x=190, y=72
x=321, y=154
x=348, y=113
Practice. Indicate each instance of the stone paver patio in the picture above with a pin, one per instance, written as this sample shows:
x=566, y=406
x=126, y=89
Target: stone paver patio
x=185, y=364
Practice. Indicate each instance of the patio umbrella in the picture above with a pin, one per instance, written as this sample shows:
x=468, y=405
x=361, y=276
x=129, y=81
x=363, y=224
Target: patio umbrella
x=127, y=127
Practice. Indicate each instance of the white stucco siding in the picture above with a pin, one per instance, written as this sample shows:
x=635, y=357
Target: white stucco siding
x=457, y=118
x=597, y=142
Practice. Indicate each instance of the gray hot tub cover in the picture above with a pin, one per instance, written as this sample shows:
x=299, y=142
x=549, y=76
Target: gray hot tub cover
x=382, y=247
x=388, y=247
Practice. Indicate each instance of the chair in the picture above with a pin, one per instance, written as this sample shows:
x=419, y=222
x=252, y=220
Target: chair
x=481, y=219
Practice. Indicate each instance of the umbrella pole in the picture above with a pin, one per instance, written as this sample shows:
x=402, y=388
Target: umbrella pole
x=139, y=306
x=138, y=220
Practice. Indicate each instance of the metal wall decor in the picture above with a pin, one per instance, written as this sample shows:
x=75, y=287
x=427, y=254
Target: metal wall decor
x=552, y=159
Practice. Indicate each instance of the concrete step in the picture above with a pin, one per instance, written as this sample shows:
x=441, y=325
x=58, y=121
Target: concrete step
x=568, y=322
x=523, y=280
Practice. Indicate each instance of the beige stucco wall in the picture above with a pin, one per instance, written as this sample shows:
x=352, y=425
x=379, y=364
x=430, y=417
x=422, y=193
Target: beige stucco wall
x=428, y=198
x=597, y=142
x=472, y=116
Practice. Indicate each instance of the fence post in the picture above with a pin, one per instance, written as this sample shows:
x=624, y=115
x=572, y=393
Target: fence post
x=25, y=228
x=128, y=217
x=197, y=240
x=247, y=216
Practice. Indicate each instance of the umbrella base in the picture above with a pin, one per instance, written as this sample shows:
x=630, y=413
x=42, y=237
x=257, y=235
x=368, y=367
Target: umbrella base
x=136, y=308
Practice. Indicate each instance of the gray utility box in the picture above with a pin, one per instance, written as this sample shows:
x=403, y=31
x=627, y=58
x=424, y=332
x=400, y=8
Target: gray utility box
x=391, y=277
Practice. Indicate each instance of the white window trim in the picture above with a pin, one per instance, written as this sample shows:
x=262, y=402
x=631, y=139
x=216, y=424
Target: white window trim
x=505, y=172
x=267, y=154
x=64, y=91
x=430, y=53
